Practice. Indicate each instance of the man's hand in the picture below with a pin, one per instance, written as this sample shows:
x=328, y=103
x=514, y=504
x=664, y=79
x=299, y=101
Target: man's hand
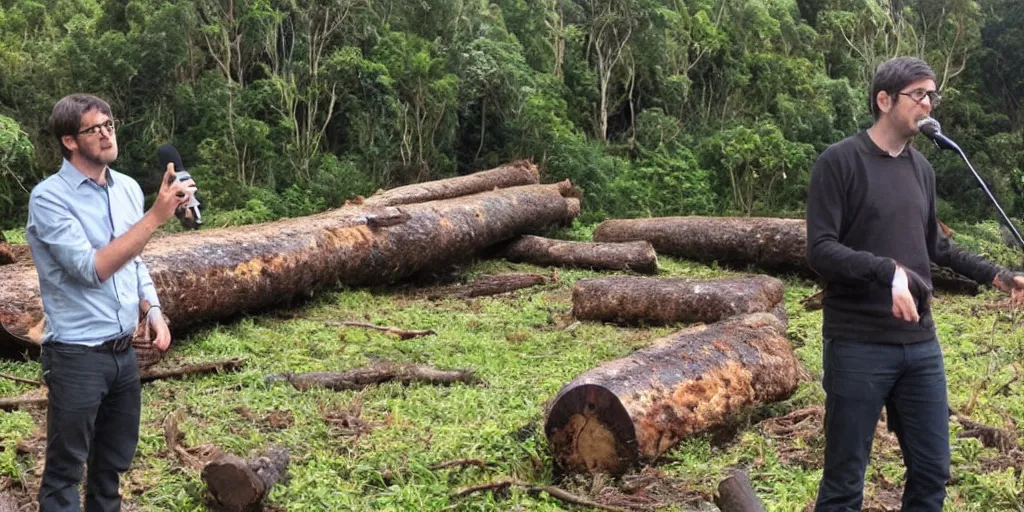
x=161, y=333
x=171, y=196
x=903, y=306
x=1012, y=284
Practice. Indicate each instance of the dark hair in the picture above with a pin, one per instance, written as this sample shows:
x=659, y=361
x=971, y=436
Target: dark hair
x=893, y=75
x=66, y=118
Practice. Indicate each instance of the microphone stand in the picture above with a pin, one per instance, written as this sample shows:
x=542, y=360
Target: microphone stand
x=948, y=144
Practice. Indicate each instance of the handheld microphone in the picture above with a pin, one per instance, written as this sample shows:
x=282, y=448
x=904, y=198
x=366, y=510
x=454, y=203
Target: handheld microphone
x=189, y=215
x=931, y=128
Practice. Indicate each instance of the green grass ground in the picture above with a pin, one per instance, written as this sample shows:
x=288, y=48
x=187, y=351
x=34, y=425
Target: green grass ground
x=520, y=345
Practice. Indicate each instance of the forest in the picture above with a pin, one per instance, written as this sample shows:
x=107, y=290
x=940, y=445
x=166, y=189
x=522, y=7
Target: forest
x=651, y=107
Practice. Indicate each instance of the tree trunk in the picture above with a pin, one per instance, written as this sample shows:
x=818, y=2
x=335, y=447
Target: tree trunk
x=768, y=243
x=652, y=301
x=214, y=274
x=736, y=494
x=636, y=256
x=242, y=485
x=514, y=174
x=6, y=255
x=634, y=409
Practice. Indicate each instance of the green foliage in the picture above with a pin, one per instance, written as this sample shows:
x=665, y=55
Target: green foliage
x=16, y=161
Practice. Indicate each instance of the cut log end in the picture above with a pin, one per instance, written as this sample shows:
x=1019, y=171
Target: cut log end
x=591, y=431
x=240, y=485
x=736, y=494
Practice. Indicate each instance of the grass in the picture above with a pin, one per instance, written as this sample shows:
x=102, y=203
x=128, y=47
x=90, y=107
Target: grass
x=519, y=346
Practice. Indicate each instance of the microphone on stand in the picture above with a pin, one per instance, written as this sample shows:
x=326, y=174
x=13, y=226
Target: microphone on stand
x=933, y=130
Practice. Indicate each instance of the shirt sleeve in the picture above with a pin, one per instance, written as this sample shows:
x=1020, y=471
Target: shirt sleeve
x=53, y=224
x=826, y=255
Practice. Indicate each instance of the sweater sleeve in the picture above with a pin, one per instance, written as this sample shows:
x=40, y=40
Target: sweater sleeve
x=826, y=255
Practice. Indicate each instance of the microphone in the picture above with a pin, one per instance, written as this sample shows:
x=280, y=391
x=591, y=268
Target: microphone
x=933, y=130
x=189, y=215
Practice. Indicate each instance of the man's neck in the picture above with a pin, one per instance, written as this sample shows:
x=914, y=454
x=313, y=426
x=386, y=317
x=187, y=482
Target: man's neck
x=888, y=139
x=92, y=170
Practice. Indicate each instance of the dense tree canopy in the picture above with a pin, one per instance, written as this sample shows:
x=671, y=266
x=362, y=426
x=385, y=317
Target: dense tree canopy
x=653, y=107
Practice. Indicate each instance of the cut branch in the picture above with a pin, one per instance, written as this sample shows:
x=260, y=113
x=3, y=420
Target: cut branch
x=15, y=378
x=460, y=463
x=635, y=300
x=151, y=374
x=401, y=333
x=487, y=285
x=554, y=492
x=991, y=437
x=636, y=256
x=360, y=378
x=634, y=409
x=26, y=399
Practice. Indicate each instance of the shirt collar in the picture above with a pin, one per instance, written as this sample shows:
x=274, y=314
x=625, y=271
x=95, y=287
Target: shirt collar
x=74, y=177
x=874, y=149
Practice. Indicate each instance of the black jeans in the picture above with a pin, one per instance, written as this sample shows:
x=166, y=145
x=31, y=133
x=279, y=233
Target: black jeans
x=95, y=402
x=910, y=381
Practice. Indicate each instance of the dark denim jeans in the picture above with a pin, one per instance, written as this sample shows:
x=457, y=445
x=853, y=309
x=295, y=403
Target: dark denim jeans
x=910, y=381
x=93, y=415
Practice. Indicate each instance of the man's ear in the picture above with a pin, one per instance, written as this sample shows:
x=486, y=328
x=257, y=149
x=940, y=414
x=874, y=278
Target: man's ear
x=70, y=142
x=884, y=101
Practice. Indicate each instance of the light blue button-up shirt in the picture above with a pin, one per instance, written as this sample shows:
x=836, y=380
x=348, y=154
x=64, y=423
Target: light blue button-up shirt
x=70, y=218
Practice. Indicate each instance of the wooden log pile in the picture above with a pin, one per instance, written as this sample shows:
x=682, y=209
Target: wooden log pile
x=217, y=274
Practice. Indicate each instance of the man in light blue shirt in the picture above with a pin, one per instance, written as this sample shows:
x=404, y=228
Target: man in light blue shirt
x=86, y=230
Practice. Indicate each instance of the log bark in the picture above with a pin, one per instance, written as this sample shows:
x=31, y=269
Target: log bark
x=6, y=255
x=652, y=301
x=378, y=373
x=215, y=274
x=486, y=286
x=633, y=409
x=636, y=256
x=518, y=173
x=242, y=485
x=772, y=244
x=736, y=494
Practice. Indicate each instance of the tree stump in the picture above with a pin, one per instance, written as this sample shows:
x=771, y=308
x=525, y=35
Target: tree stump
x=242, y=485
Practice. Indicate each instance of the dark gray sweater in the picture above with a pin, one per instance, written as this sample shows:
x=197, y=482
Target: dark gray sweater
x=866, y=212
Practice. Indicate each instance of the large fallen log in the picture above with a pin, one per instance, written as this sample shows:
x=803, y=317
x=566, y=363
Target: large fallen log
x=521, y=172
x=772, y=244
x=636, y=256
x=219, y=273
x=633, y=409
x=652, y=301
x=242, y=485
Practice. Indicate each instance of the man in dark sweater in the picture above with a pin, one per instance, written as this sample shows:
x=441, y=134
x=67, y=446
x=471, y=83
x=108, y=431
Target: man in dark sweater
x=871, y=235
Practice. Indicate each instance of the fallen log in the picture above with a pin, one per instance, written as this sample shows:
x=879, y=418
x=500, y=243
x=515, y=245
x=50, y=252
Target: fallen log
x=242, y=485
x=26, y=399
x=513, y=174
x=377, y=373
x=216, y=274
x=151, y=374
x=772, y=244
x=486, y=286
x=6, y=255
x=636, y=256
x=652, y=301
x=634, y=409
x=736, y=494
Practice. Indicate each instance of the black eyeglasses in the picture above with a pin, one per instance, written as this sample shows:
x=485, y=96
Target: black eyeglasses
x=918, y=96
x=110, y=125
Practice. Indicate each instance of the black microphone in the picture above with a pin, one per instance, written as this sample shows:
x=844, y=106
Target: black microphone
x=189, y=215
x=931, y=128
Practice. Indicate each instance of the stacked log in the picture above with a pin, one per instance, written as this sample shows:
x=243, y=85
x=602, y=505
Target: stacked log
x=216, y=274
x=635, y=256
x=634, y=409
x=513, y=174
x=651, y=301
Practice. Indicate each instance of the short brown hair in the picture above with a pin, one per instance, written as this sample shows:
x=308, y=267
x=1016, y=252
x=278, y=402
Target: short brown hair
x=66, y=118
x=893, y=75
